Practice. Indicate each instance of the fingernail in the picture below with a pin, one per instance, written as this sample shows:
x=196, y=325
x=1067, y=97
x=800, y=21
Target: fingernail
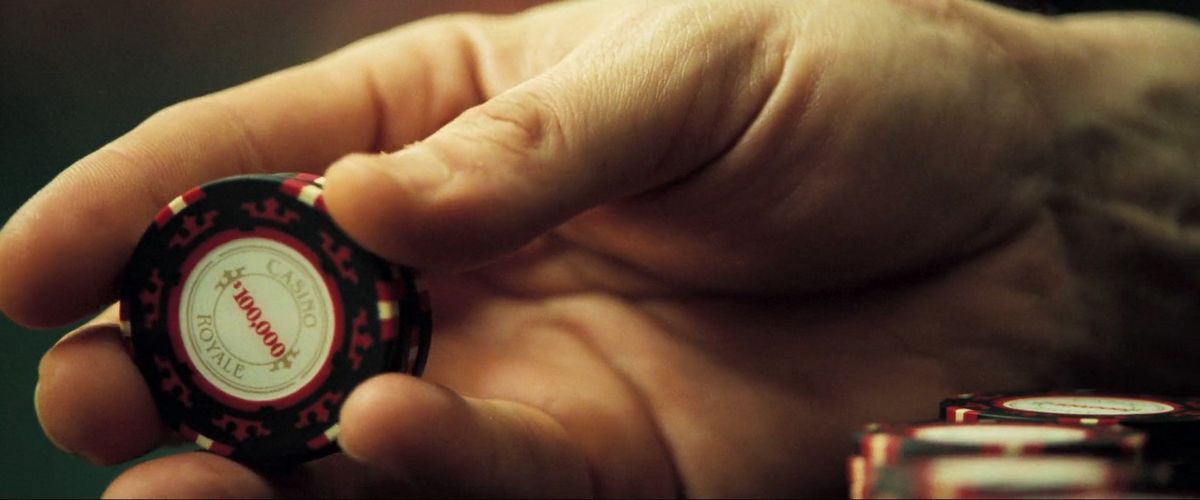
x=420, y=167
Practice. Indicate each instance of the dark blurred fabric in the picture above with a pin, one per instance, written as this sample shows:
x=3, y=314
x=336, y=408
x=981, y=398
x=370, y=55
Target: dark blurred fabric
x=1183, y=7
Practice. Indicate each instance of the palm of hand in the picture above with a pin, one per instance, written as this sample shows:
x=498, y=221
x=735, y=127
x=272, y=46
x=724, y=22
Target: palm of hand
x=721, y=393
x=686, y=344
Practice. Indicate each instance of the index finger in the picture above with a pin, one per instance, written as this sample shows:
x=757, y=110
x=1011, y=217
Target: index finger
x=63, y=250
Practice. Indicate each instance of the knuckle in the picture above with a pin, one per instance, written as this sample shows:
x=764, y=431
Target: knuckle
x=451, y=27
x=221, y=120
x=525, y=125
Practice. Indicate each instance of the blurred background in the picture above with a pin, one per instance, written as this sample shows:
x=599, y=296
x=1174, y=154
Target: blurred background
x=75, y=74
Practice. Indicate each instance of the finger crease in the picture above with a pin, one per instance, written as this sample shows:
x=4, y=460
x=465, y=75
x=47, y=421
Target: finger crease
x=250, y=150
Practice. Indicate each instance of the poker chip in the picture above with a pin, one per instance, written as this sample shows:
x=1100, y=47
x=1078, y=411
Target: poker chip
x=858, y=473
x=252, y=317
x=1172, y=424
x=1009, y=477
x=883, y=444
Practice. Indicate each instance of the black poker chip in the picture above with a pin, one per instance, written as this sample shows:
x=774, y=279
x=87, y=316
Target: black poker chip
x=885, y=444
x=252, y=316
x=1172, y=424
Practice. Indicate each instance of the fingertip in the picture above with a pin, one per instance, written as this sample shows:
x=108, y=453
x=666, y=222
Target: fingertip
x=408, y=208
x=359, y=198
x=92, y=401
x=189, y=475
x=64, y=248
x=30, y=273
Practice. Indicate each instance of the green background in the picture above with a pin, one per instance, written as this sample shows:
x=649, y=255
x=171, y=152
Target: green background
x=76, y=74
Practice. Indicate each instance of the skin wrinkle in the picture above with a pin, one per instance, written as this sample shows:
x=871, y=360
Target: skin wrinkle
x=448, y=30
x=994, y=215
x=381, y=142
x=528, y=429
x=252, y=160
x=470, y=43
x=665, y=85
x=743, y=137
x=638, y=393
x=532, y=120
x=572, y=270
x=557, y=317
x=770, y=79
x=561, y=319
x=152, y=190
x=641, y=396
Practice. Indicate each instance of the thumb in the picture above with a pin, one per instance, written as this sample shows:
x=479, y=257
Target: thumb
x=596, y=128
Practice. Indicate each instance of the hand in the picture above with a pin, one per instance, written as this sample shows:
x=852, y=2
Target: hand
x=673, y=248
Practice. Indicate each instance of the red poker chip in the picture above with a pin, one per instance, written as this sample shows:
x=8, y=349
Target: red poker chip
x=884, y=444
x=252, y=316
x=1008, y=477
x=1172, y=424
x=1072, y=407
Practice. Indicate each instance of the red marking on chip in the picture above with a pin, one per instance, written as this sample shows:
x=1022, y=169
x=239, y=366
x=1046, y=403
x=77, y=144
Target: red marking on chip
x=961, y=414
x=342, y=257
x=361, y=340
x=151, y=300
x=319, y=412
x=163, y=216
x=270, y=209
x=384, y=290
x=221, y=449
x=292, y=187
x=387, y=329
x=192, y=228
x=242, y=427
x=193, y=195
x=172, y=384
x=318, y=442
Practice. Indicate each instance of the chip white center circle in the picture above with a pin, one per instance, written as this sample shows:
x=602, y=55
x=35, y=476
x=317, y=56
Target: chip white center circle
x=256, y=319
x=1000, y=434
x=1088, y=405
x=1018, y=473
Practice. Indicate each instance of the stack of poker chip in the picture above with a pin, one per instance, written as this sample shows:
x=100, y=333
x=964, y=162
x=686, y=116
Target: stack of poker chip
x=1079, y=444
x=252, y=317
x=1171, y=424
x=1048, y=476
